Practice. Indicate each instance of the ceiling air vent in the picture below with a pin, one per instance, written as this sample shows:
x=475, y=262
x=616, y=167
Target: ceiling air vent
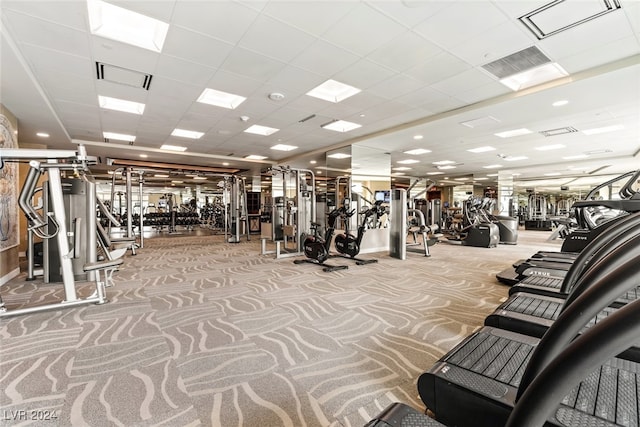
x=560, y=15
x=518, y=62
x=559, y=131
x=123, y=76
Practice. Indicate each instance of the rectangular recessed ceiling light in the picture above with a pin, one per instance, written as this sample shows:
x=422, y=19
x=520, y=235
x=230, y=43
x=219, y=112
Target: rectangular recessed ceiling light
x=408, y=161
x=492, y=174
x=187, y=133
x=284, y=147
x=119, y=136
x=255, y=157
x=116, y=23
x=333, y=91
x=514, y=158
x=576, y=157
x=550, y=147
x=446, y=167
x=435, y=173
x=512, y=133
x=480, y=179
x=177, y=182
x=144, y=156
x=339, y=155
x=596, y=131
x=120, y=105
x=341, y=126
x=261, y=130
x=161, y=175
x=481, y=149
x=534, y=76
x=552, y=174
x=602, y=151
x=444, y=162
x=401, y=168
x=200, y=177
x=417, y=151
x=220, y=99
x=492, y=166
x=172, y=147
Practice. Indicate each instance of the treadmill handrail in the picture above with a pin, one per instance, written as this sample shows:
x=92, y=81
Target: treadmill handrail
x=602, y=341
x=576, y=315
x=627, y=192
x=623, y=226
x=627, y=205
x=37, y=223
x=595, y=189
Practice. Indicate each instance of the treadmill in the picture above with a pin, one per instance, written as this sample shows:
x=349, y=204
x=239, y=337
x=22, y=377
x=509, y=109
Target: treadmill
x=476, y=383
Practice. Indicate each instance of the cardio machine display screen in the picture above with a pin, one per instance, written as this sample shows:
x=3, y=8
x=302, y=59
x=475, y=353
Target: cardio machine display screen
x=383, y=195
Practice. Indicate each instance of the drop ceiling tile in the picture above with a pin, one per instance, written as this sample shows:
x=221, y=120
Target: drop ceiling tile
x=463, y=82
x=60, y=86
x=112, y=120
x=364, y=100
x=115, y=90
x=123, y=55
x=396, y=86
x=363, y=30
x=324, y=58
x=363, y=74
x=622, y=48
x=34, y=31
x=161, y=10
x=403, y=52
x=184, y=71
x=234, y=83
x=409, y=12
x=419, y=97
x=313, y=17
x=516, y=9
x=275, y=39
x=252, y=65
x=70, y=14
x=440, y=67
x=291, y=82
x=443, y=105
x=194, y=47
x=460, y=23
x=43, y=59
x=482, y=92
x=225, y=20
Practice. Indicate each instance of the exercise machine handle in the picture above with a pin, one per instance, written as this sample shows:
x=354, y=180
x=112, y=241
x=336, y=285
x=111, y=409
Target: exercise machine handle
x=36, y=222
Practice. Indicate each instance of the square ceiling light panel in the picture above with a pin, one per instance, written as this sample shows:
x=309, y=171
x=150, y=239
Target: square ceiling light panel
x=116, y=23
x=220, y=99
x=417, y=151
x=341, y=126
x=183, y=133
x=118, y=136
x=169, y=147
x=512, y=133
x=261, y=130
x=121, y=105
x=481, y=149
x=255, y=157
x=284, y=147
x=560, y=15
x=408, y=162
x=339, y=155
x=333, y=91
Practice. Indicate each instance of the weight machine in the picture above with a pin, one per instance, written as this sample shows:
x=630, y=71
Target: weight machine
x=127, y=174
x=55, y=225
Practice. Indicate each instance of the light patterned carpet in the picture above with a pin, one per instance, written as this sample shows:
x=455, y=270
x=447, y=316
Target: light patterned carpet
x=200, y=332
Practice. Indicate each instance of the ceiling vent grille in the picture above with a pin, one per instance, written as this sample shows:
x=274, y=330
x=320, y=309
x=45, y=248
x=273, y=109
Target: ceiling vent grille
x=518, y=62
x=559, y=131
x=123, y=76
x=560, y=15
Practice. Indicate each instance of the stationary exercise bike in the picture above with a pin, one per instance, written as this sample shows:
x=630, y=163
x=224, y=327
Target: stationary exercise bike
x=316, y=248
x=348, y=245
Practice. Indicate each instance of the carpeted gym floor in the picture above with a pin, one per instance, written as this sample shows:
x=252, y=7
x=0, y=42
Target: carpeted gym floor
x=202, y=332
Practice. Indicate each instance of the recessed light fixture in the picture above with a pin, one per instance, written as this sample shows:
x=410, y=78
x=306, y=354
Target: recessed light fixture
x=339, y=155
x=401, y=168
x=119, y=136
x=169, y=147
x=481, y=149
x=492, y=174
x=560, y=103
x=602, y=151
x=225, y=163
x=183, y=133
x=42, y=134
x=117, y=23
x=341, y=126
x=177, y=182
x=480, y=179
x=550, y=147
x=200, y=177
x=144, y=156
x=446, y=167
x=398, y=173
x=576, y=157
x=492, y=166
x=552, y=174
x=534, y=76
x=255, y=157
x=120, y=105
x=514, y=158
x=435, y=173
x=444, y=162
x=605, y=129
x=284, y=147
x=161, y=175
x=417, y=151
x=407, y=161
x=417, y=137
x=261, y=130
x=220, y=99
x=512, y=133
x=313, y=162
x=333, y=91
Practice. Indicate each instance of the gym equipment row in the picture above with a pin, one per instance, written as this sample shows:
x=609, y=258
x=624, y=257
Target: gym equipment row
x=67, y=224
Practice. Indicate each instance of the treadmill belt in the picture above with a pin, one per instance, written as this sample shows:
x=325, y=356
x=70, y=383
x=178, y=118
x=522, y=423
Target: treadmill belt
x=491, y=364
x=547, y=282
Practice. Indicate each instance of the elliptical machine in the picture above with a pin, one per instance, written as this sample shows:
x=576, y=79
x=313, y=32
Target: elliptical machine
x=348, y=245
x=316, y=248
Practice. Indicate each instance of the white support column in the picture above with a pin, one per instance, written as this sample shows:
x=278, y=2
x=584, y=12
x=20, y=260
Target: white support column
x=505, y=193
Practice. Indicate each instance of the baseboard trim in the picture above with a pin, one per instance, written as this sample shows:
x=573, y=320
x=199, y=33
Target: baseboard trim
x=13, y=273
